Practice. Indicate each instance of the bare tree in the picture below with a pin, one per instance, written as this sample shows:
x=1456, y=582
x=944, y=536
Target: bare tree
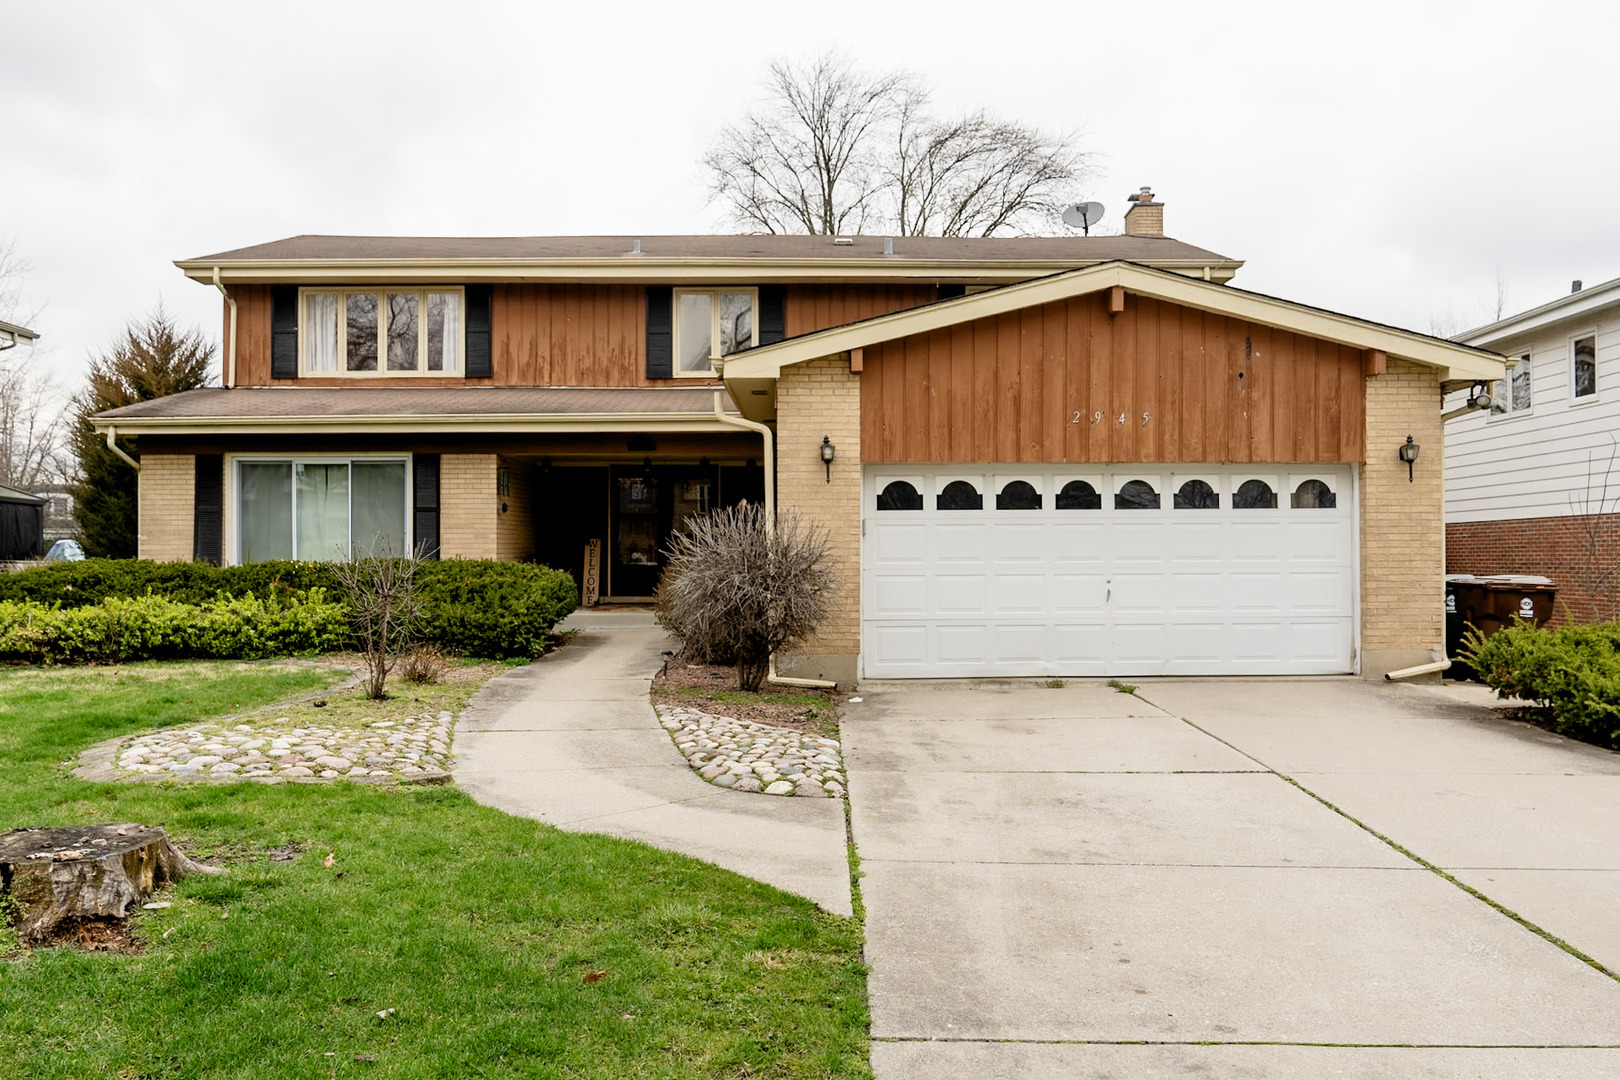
x=736, y=587
x=33, y=424
x=384, y=609
x=839, y=150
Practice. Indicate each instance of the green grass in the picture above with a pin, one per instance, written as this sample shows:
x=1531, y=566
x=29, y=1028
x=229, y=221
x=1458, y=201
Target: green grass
x=1123, y=687
x=476, y=928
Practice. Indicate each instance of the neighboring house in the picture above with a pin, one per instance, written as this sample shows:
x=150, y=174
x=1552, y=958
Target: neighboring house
x=1059, y=456
x=22, y=525
x=1533, y=484
x=59, y=521
x=12, y=335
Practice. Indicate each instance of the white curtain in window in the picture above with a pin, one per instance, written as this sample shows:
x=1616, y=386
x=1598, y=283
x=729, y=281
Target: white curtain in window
x=378, y=507
x=323, y=511
x=265, y=520
x=696, y=321
x=320, y=333
x=444, y=332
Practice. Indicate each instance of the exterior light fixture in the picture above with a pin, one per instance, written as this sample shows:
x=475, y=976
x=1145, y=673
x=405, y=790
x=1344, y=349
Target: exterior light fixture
x=1408, y=453
x=827, y=452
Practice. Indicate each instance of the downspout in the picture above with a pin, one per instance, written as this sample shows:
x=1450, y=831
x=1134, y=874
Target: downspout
x=770, y=520
x=112, y=444
x=230, y=352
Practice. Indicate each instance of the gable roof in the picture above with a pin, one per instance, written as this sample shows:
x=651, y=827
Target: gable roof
x=1456, y=362
x=715, y=259
x=1577, y=305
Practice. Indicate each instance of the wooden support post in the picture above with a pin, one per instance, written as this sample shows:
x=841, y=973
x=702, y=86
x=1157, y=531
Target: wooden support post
x=857, y=360
x=1116, y=300
x=1374, y=362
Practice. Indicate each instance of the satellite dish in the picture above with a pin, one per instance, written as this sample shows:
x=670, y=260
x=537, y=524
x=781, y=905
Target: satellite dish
x=1082, y=215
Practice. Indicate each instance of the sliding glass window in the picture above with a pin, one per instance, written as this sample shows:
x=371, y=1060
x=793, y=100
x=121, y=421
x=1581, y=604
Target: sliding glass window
x=320, y=509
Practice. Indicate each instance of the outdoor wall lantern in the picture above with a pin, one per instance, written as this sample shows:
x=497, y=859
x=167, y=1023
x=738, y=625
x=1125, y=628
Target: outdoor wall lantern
x=827, y=452
x=1409, y=454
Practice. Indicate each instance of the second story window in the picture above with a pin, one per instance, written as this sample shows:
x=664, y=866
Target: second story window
x=380, y=332
x=709, y=323
x=1583, y=355
x=1512, y=394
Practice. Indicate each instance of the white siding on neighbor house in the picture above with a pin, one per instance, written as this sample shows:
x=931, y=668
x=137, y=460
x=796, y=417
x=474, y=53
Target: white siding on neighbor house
x=1550, y=460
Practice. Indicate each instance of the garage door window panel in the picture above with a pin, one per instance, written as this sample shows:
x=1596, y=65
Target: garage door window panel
x=899, y=495
x=1314, y=494
x=1018, y=495
x=1136, y=495
x=1079, y=495
x=1197, y=495
x=1254, y=494
x=959, y=495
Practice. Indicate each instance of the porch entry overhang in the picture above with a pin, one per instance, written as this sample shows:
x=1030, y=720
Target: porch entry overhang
x=422, y=410
x=751, y=376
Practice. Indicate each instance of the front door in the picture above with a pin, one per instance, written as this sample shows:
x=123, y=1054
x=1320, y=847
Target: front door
x=650, y=504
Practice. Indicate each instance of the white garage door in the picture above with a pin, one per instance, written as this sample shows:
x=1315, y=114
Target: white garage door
x=1153, y=570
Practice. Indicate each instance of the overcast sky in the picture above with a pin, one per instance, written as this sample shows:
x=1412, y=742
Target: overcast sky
x=1385, y=160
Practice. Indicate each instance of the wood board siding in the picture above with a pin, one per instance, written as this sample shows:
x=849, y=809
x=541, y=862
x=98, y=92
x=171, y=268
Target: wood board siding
x=570, y=335
x=1553, y=460
x=817, y=307
x=1191, y=386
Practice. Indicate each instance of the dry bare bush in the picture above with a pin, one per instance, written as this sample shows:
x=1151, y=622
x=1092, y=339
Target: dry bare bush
x=423, y=664
x=736, y=587
x=384, y=610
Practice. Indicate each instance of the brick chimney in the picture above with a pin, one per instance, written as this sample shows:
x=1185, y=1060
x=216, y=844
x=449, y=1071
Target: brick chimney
x=1145, y=217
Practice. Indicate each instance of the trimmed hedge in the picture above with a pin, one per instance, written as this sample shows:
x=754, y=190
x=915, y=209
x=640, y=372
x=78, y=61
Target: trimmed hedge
x=1573, y=673
x=122, y=628
x=476, y=607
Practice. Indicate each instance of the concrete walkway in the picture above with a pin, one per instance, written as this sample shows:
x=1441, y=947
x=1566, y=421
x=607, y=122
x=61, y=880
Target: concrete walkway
x=1077, y=882
x=573, y=741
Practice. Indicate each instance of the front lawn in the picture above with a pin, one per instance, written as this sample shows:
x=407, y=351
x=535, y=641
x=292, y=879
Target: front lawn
x=501, y=946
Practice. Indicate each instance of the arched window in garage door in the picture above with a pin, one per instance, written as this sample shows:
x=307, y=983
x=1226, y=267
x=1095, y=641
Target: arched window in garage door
x=1254, y=495
x=1136, y=495
x=959, y=495
x=1313, y=495
x=1018, y=495
x=899, y=495
x=1197, y=495
x=1079, y=495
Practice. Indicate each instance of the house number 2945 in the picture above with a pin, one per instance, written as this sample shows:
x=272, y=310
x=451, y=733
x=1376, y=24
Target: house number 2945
x=1096, y=418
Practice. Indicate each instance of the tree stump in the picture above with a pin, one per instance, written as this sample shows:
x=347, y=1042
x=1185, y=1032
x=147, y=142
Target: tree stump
x=86, y=871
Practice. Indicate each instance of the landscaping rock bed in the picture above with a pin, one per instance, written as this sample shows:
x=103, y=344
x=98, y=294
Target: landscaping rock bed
x=748, y=756
x=413, y=749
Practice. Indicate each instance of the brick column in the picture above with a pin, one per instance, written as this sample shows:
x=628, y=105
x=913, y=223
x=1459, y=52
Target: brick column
x=468, y=507
x=166, y=492
x=822, y=398
x=1403, y=531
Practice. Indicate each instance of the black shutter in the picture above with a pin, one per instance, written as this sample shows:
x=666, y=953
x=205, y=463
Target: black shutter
x=480, y=362
x=208, y=509
x=425, y=504
x=660, y=332
x=772, y=313
x=284, y=331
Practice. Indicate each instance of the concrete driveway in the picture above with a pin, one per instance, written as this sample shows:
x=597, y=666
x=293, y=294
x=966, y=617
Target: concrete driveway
x=1195, y=880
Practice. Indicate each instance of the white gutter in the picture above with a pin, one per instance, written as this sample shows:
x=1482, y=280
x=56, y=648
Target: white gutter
x=112, y=444
x=230, y=355
x=770, y=520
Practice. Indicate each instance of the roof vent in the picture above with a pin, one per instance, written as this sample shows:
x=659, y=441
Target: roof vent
x=843, y=241
x=1575, y=286
x=635, y=248
x=888, y=245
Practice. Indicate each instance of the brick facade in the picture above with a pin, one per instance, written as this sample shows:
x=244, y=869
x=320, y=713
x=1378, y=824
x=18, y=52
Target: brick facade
x=514, y=526
x=819, y=399
x=1402, y=522
x=1580, y=553
x=167, y=490
x=468, y=507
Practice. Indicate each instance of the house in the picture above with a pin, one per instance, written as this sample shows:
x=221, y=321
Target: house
x=1533, y=483
x=22, y=525
x=1041, y=456
x=12, y=335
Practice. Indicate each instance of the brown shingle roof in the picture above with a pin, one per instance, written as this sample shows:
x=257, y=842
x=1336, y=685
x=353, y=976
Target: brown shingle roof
x=266, y=403
x=1076, y=249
